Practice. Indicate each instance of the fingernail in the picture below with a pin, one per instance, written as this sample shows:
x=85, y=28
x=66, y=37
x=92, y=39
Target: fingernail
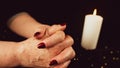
x=62, y=24
x=41, y=45
x=36, y=35
x=53, y=62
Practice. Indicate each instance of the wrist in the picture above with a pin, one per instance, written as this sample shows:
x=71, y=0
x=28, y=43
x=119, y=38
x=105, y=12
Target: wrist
x=9, y=56
x=21, y=54
x=16, y=61
x=18, y=53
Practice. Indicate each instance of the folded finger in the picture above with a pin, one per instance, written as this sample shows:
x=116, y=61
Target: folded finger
x=57, y=37
x=40, y=32
x=67, y=42
x=64, y=56
x=55, y=28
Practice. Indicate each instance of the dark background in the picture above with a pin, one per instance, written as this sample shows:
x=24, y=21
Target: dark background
x=107, y=53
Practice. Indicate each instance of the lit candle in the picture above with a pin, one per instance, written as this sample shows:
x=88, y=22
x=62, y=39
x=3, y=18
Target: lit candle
x=91, y=31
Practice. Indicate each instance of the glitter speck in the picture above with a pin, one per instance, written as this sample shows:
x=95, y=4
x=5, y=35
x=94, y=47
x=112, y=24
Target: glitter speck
x=111, y=52
x=106, y=47
x=92, y=65
x=104, y=57
x=105, y=64
x=113, y=58
x=101, y=67
x=74, y=59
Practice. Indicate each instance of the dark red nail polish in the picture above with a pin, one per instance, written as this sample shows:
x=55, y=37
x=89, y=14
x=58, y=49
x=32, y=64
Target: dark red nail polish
x=63, y=24
x=37, y=35
x=41, y=45
x=53, y=62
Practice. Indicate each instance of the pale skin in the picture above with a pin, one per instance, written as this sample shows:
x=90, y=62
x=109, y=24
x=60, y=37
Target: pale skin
x=58, y=46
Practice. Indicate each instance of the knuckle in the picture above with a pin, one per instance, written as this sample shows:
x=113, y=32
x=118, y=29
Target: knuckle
x=73, y=53
x=71, y=40
x=52, y=29
x=61, y=35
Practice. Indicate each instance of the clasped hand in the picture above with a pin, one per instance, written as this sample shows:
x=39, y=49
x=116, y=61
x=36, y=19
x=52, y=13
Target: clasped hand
x=49, y=47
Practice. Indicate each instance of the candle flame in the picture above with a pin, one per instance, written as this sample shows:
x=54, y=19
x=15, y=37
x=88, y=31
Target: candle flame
x=95, y=12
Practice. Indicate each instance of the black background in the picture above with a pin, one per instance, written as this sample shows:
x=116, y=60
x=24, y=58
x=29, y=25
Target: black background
x=107, y=53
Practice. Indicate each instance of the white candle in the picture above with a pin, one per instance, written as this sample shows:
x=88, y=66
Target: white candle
x=91, y=31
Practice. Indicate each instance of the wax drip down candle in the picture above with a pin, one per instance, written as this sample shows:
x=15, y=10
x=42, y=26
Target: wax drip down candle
x=91, y=31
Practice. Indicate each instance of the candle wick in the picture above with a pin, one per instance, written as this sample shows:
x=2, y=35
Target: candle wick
x=95, y=12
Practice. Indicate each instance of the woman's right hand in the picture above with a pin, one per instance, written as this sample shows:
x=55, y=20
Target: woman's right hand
x=46, y=52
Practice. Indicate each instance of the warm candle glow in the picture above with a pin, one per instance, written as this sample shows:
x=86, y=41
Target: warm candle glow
x=95, y=12
x=91, y=30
